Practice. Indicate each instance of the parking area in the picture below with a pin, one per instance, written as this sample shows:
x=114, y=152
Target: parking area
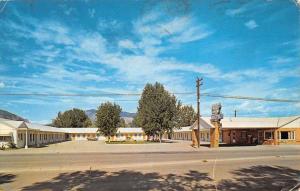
x=101, y=147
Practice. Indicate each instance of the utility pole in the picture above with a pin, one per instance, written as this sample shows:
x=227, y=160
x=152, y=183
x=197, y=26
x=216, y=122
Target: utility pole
x=198, y=84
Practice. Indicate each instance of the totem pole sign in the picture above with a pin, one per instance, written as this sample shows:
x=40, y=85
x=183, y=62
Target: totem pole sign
x=216, y=116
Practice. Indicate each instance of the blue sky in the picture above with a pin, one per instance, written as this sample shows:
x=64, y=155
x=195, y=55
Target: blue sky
x=246, y=48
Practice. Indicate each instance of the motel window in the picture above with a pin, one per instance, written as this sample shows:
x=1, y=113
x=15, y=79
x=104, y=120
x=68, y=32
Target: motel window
x=269, y=135
x=287, y=135
x=244, y=134
x=5, y=138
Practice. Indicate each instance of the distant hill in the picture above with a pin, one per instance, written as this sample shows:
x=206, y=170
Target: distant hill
x=91, y=113
x=7, y=115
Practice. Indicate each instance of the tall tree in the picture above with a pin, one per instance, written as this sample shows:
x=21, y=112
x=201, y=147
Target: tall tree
x=186, y=115
x=122, y=123
x=72, y=118
x=108, y=119
x=157, y=110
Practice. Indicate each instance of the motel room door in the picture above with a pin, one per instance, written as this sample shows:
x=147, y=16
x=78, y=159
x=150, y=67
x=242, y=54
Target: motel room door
x=260, y=136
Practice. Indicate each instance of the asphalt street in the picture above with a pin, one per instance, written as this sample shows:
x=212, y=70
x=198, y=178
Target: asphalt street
x=220, y=169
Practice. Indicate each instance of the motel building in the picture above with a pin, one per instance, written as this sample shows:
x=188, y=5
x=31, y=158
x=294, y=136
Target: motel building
x=246, y=131
x=24, y=135
x=128, y=133
x=234, y=131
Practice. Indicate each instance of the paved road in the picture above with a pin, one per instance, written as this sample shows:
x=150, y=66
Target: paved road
x=222, y=169
x=71, y=161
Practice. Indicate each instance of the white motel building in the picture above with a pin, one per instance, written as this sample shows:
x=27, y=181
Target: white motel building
x=237, y=130
x=24, y=135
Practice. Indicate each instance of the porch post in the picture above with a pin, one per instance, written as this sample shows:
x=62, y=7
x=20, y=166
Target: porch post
x=26, y=139
x=276, y=137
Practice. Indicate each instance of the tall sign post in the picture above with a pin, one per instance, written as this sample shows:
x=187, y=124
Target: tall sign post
x=216, y=116
x=198, y=84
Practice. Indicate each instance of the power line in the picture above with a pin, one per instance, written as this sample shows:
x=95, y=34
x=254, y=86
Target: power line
x=85, y=95
x=139, y=94
x=250, y=98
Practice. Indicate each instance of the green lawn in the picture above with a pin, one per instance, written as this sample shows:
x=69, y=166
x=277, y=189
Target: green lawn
x=129, y=142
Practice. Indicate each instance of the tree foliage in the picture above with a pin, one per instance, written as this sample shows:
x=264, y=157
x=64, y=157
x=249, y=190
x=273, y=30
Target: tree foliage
x=157, y=110
x=72, y=119
x=108, y=119
x=186, y=115
x=122, y=123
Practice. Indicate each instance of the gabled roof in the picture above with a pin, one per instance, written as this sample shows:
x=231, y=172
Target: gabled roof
x=251, y=122
x=44, y=128
x=12, y=123
x=289, y=122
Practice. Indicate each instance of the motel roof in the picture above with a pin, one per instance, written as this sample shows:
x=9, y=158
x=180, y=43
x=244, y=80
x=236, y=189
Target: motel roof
x=94, y=130
x=11, y=123
x=130, y=130
x=44, y=128
x=252, y=122
x=31, y=126
x=80, y=130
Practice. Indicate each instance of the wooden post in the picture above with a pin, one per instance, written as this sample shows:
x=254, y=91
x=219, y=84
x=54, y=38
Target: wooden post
x=215, y=135
x=198, y=84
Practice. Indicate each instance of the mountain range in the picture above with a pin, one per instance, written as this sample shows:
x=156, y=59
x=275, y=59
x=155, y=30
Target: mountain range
x=127, y=116
x=8, y=115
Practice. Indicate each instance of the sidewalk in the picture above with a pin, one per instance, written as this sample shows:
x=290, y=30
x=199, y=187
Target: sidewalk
x=101, y=147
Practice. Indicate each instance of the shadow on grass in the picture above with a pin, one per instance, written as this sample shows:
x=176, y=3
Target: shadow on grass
x=6, y=178
x=124, y=180
x=262, y=177
x=252, y=178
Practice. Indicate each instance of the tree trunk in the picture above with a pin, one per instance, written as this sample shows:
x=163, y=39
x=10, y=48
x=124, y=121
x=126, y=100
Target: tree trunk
x=109, y=139
x=160, y=137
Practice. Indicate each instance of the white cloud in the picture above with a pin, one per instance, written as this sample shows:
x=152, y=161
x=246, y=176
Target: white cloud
x=68, y=11
x=234, y=12
x=91, y=12
x=106, y=24
x=176, y=30
x=2, y=85
x=191, y=34
x=281, y=60
x=84, y=54
x=52, y=32
x=127, y=44
x=251, y=24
